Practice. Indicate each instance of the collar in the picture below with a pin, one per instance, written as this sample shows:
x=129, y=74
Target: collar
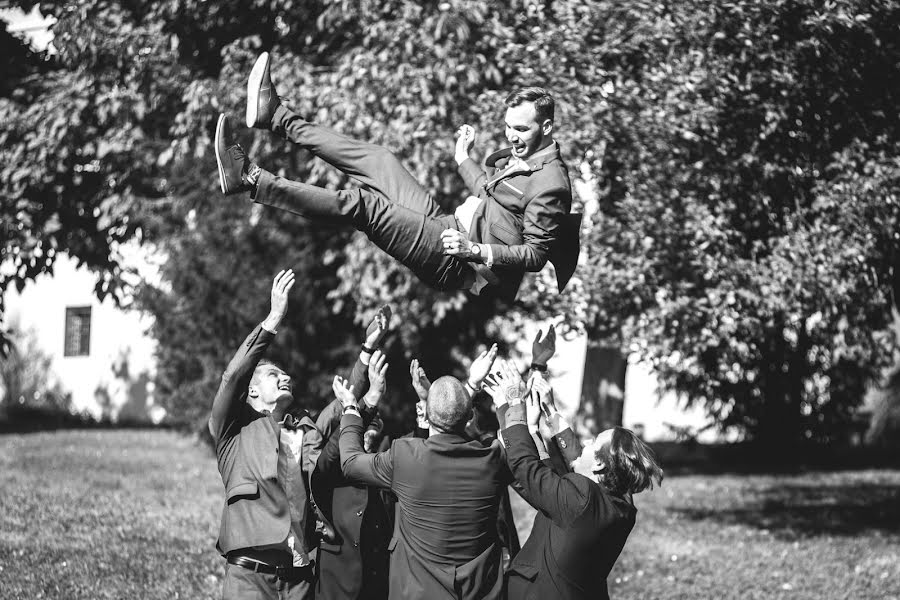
x=293, y=423
x=535, y=162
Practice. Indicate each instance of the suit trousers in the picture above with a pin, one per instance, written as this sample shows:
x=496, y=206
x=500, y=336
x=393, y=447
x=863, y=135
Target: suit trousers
x=244, y=584
x=395, y=212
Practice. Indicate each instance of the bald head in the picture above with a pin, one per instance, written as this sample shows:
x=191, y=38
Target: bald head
x=449, y=407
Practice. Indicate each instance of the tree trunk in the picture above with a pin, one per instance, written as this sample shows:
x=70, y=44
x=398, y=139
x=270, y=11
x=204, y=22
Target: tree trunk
x=602, y=389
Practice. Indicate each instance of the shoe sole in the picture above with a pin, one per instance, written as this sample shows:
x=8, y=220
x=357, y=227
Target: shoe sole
x=219, y=127
x=253, y=84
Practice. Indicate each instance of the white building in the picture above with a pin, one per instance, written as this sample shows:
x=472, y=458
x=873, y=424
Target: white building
x=102, y=354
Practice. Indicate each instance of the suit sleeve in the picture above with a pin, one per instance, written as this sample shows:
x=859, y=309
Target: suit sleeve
x=230, y=401
x=472, y=174
x=328, y=422
x=563, y=449
x=356, y=465
x=540, y=226
x=359, y=379
x=562, y=497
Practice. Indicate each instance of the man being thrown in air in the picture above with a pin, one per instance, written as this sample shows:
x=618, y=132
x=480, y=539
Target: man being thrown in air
x=517, y=219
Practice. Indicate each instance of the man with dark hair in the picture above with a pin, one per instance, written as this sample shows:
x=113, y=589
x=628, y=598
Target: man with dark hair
x=517, y=218
x=584, y=517
x=448, y=488
x=266, y=532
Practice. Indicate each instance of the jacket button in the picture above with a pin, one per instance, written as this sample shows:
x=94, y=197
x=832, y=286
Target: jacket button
x=563, y=444
x=359, y=513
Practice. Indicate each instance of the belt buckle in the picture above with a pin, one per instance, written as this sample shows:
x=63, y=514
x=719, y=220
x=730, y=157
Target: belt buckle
x=281, y=572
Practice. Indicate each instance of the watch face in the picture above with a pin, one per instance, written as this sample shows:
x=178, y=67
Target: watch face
x=476, y=249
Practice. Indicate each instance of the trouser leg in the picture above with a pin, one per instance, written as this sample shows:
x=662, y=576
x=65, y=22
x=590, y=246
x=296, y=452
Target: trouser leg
x=372, y=165
x=244, y=584
x=410, y=237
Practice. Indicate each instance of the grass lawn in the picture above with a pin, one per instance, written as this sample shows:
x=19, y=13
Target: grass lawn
x=134, y=514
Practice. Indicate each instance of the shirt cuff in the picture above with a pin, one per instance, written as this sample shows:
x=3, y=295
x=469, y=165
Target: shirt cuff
x=488, y=256
x=515, y=415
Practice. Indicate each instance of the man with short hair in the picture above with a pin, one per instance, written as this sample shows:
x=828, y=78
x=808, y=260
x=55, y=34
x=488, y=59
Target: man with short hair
x=517, y=218
x=448, y=490
x=264, y=457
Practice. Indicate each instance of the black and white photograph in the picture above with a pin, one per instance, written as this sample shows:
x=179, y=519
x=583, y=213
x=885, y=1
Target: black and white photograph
x=450, y=300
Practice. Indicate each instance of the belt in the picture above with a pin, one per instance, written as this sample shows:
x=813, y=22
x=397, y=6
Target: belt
x=287, y=573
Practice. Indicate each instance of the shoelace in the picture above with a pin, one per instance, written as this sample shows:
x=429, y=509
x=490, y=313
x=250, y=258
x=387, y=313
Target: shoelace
x=237, y=153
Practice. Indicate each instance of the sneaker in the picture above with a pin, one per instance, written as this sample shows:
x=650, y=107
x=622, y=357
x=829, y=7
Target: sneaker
x=232, y=161
x=262, y=99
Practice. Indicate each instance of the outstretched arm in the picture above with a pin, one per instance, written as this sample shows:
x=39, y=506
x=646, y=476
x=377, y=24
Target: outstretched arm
x=356, y=465
x=471, y=173
x=230, y=401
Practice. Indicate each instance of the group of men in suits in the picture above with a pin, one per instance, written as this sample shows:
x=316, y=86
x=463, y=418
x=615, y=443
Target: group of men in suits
x=314, y=508
x=304, y=512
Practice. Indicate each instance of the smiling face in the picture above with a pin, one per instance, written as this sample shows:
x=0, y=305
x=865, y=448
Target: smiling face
x=270, y=389
x=525, y=132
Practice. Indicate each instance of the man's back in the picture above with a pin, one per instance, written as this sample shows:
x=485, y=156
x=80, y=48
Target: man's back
x=448, y=489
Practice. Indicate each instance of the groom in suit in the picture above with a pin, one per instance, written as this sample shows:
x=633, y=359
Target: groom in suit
x=516, y=220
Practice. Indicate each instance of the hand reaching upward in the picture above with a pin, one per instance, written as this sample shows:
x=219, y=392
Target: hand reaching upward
x=281, y=286
x=343, y=391
x=481, y=366
x=378, y=367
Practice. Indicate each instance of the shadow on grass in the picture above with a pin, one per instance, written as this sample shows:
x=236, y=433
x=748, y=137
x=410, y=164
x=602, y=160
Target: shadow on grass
x=807, y=510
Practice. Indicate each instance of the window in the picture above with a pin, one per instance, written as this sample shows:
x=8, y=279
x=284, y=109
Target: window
x=78, y=331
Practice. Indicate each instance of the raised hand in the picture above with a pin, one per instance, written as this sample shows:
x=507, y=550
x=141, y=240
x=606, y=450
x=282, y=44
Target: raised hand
x=419, y=380
x=543, y=350
x=541, y=388
x=464, y=142
x=505, y=385
x=533, y=411
x=421, y=414
x=378, y=367
x=281, y=286
x=378, y=328
x=481, y=366
x=343, y=391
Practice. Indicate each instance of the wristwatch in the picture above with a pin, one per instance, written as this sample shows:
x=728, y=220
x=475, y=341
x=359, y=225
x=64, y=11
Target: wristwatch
x=476, y=250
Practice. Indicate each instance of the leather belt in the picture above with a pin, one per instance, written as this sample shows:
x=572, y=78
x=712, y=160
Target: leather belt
x=287, y=573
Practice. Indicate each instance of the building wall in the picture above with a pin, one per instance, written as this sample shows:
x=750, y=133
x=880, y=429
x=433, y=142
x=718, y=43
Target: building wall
x=115, y=379
x=656, y=416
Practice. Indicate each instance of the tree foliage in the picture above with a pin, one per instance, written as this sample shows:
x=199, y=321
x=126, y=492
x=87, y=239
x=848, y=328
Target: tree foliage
x=742, y=155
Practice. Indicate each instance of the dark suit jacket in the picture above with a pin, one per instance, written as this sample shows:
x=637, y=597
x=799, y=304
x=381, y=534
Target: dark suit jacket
x=354, y=565
x=256, y=511
x=578, y=534
x=522, y=216
x=448, y=491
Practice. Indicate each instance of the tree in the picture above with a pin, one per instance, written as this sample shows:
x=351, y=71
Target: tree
x=722, y=142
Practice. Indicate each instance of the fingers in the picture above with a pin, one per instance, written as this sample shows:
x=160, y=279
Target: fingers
x=383, y=371
x=492, y=354
x=545, y=408
x=283, y=281
x=413, y=368
x=551, y=334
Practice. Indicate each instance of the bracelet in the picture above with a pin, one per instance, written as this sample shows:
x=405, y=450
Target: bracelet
x=367, y=349
x=539, y=367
